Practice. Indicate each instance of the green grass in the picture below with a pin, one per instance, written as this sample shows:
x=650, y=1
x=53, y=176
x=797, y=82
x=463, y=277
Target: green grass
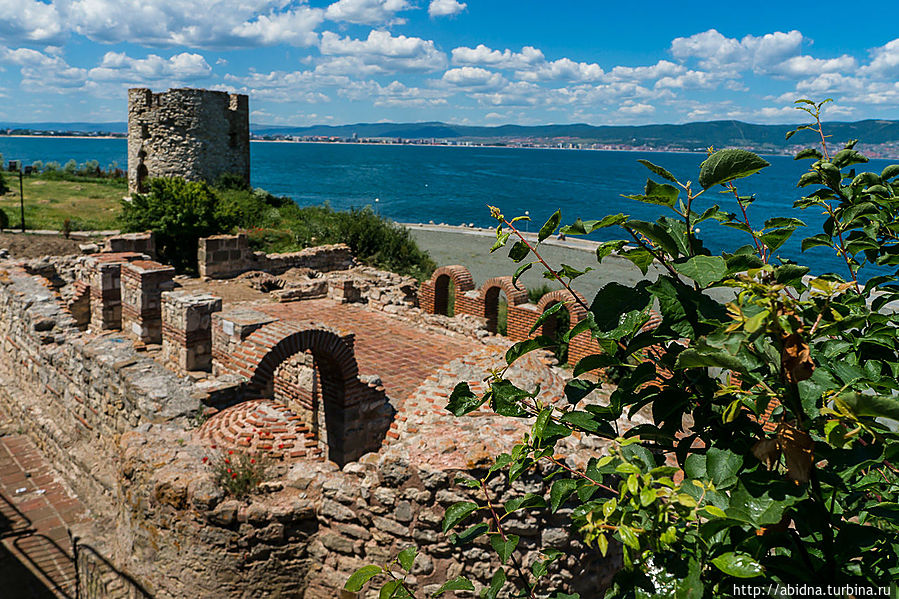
x=88, y=203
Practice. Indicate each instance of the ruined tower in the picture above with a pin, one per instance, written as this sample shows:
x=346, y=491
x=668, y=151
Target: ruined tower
x=196, y=134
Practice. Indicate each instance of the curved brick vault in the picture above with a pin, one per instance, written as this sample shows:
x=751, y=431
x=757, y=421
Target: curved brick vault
x=335, y=410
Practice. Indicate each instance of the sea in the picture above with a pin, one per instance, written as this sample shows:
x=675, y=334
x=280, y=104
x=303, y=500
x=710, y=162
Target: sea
x=455, y=184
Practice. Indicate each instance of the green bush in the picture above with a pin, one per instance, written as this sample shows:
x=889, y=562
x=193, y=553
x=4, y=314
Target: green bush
x=770, y=454
x=179, y=213
x=3, y=187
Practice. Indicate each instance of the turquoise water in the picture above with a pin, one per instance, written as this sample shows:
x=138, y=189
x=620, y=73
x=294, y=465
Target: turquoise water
x=453, y=185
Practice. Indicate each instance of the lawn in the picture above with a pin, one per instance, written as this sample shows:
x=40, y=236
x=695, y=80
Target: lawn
x=88, y=203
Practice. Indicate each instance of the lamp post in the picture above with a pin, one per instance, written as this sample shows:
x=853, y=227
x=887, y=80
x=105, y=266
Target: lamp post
x=21, y=197
x=527, y=221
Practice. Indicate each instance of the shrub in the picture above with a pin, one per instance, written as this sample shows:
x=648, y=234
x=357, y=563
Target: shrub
x=3, y=187
x=770, y=457
x=4, y=220
x=179, y=213
x=237, y=473
x=231, y=181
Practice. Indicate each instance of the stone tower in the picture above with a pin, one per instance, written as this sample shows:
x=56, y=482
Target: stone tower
x=196, y=134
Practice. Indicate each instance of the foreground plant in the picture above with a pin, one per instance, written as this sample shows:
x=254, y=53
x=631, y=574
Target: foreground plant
x=772, y=456
x=237, y=473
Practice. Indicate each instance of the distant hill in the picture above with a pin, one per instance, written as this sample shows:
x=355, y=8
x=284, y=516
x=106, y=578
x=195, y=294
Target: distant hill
x=689, y=135
x=702, y=134
x=72, y=127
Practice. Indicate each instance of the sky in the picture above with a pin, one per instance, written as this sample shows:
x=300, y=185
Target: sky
x=480, y=62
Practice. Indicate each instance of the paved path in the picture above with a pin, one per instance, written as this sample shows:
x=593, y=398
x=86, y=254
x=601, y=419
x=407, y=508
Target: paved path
x=402, y=354
x=35, y=513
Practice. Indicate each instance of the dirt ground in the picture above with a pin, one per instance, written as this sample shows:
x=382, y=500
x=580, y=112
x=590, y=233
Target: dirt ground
x=34, y=246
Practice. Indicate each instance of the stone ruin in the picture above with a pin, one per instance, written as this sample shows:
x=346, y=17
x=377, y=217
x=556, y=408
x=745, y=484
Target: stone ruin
x=195, y=134
x=127, y=376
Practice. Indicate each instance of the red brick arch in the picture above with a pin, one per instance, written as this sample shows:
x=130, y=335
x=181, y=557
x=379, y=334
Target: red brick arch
x=434, y=295
x=576, y=311
x=489, y=296
x=357, y=415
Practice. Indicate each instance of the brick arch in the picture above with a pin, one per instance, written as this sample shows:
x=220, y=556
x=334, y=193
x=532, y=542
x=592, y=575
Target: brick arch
x=435, y=291
x=575, y=309
x=356, y=415
x=325, y=345
x=489, y=296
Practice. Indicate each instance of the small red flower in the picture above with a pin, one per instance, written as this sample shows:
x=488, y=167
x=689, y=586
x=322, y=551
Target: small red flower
x=227, y=461
x=229, y=471
x=230, y=451
x=252, y=461
x=205, y=459
x=280, y=446
x=234, y=475
x=214, y=446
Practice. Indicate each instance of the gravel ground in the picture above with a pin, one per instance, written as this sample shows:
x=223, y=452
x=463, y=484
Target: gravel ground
x=29, y=245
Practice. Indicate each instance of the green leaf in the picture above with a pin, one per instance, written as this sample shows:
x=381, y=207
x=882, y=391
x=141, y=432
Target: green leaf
x=545, y=316
x=727, y=165
x=470, y=534
x=607, y=248
x=808, y=153
x=500, y=241
x=722, y=466
x=848, y=157
x=504, y=548
x=507, y=399
x=519, y=251
x=361, y=576
x=647, y=496
x=459, y=583
x=462, y=400
x=661, y=193
x=559, y=492
x=540, y=423
x=496, y=584
x=527, y=346
x=520, y=271
x=871, y=405
x=658, y=170
x=776, y=238
x=406, y=557
x=640, y=258
x=456, y=513
x=705, y=270
x=628, y=537
x=587, y=421
x=821, y=239
x=525, y=501
x=890, y=172
x=550, y=226
x=739, y=565
x=390, y=588
x=807, y=179
x=593, y=362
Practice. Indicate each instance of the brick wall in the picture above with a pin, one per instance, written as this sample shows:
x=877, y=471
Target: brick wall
x=187, y=329
x=226, y=256
x=143, y=282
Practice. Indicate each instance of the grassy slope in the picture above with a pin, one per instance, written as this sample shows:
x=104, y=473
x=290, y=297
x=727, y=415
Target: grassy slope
x=88, y=203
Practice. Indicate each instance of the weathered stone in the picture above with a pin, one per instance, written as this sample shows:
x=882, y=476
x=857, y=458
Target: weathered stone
x=337, y=543
x=332, y=509
x=390, y=526
x=403, y=511
x=225, y=513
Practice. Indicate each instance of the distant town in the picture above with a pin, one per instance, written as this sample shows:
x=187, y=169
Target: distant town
x=883, y=149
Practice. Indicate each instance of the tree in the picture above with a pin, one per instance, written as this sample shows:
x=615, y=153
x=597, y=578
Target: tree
x=772, y=453
x=179, y=213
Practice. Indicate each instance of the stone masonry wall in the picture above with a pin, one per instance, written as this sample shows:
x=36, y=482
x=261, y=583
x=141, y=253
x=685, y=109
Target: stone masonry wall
x=195, y=134
x=226, y=256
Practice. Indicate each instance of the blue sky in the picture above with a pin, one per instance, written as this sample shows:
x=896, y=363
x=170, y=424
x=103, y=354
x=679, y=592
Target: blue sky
x=469, y=62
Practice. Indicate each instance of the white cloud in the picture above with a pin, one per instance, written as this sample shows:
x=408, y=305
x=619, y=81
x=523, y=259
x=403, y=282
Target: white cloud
x=395, y=94
x=884, y=61
x=563, y=69
x=717, y=52
x=284, y=87
x=445, y=8
x=473, y=77
x=663, y=68
x=385, y=51
x=805, y=66
x=196, y=24
x=29, y=21
x=119, y=67
x=484, y=56
x=367, y=12
x=636, y=109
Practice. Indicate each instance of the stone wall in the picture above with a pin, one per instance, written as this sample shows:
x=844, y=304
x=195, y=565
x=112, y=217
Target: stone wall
x=118, y=423
x=226, y=256
x=195, y=134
